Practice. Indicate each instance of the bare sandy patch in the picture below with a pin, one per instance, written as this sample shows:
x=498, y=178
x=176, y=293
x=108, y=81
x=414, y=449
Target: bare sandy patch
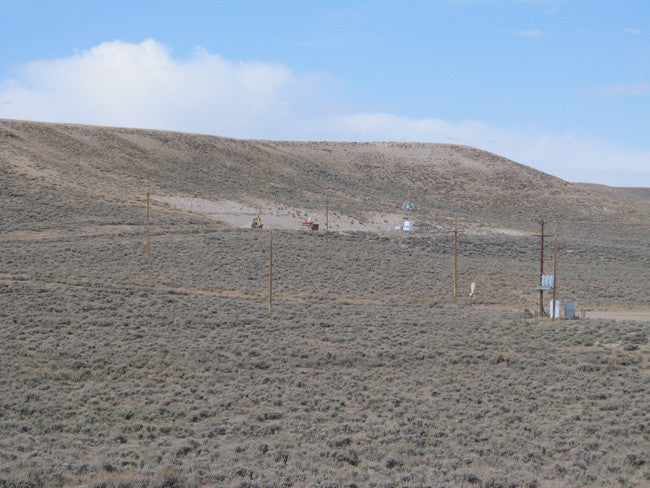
x=481, y=231
x=275, y=216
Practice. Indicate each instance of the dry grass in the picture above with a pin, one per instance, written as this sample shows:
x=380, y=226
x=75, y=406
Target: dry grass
x=359, y=376
x=121, y=371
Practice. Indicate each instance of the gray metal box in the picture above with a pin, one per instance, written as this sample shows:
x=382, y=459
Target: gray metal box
x=569, y=309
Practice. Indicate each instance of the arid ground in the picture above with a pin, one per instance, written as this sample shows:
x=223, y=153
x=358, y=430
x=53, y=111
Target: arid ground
x=123, y=370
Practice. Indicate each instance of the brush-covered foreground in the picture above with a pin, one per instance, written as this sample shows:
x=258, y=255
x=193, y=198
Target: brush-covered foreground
x=123, y=371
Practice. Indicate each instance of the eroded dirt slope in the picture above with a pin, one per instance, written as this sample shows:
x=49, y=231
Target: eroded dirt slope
x=53, y=174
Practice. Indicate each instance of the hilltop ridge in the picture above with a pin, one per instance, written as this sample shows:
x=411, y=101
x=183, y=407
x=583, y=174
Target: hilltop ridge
x=91, y=174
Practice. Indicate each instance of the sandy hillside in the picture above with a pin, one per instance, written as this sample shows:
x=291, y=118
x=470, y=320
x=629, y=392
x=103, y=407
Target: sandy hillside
x=56, y=174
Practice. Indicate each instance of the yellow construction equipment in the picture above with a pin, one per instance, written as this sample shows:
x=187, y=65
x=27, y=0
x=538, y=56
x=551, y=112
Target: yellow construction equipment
x=257, y=223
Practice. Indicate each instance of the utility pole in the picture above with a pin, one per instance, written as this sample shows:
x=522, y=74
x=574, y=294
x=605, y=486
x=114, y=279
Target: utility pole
x=327, y=219
x=270, y=272
x=456, y=260
x=408, y=205
x=554, y=277
x=148, y=253
x=541, y=269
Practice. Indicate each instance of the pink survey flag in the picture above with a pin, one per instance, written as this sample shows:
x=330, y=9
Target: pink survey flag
x=472, y=289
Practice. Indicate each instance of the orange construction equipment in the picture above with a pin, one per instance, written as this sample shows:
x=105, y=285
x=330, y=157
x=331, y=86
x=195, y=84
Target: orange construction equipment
x=308, y=224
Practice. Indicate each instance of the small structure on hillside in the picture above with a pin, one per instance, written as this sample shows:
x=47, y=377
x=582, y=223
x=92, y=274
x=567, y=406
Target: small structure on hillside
x=408, y=223
x=413, y=226
x=308, y=224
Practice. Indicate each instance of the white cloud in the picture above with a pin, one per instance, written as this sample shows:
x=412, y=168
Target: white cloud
x=142, y=85
x=575, y=157
x=531, y=34
x=630, y=30
x=634, y=90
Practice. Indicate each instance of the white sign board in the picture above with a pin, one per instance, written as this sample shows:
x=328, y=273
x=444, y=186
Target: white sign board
x=554, y=310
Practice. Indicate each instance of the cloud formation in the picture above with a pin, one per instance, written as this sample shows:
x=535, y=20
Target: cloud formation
x=143, y=85
x=531, y=34
x=571, y=156
x=634, y=90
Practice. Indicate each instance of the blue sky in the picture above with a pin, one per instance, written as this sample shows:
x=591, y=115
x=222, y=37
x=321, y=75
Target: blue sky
x=560, y=85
